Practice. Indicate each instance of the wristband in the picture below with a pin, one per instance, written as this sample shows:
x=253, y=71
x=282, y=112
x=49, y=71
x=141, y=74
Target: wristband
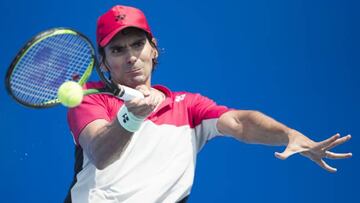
x=128, y=120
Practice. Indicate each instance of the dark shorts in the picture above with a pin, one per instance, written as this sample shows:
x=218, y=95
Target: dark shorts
x=184, y=200
x=68, y=199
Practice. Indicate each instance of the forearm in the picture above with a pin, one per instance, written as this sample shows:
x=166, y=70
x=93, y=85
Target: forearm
x=255, y=127
x=106, y=144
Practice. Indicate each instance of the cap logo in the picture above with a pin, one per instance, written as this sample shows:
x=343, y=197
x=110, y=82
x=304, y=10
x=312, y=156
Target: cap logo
x=120, y=17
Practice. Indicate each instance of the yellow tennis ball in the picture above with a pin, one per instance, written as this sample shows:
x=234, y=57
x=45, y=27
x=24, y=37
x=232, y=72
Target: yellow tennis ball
x=70, y=94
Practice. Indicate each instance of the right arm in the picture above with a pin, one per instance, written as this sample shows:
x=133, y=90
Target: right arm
x=103, y=141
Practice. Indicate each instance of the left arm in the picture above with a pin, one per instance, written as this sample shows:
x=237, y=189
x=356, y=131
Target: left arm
x=256, y=128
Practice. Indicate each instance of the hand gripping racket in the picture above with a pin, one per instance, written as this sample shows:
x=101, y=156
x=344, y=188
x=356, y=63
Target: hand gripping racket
x=51, y=58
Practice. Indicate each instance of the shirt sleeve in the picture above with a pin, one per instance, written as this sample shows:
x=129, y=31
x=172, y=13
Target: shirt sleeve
x=205, y=114
x=93, y=107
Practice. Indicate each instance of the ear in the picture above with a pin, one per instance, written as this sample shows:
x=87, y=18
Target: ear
x=103, y=64
x=154, y=50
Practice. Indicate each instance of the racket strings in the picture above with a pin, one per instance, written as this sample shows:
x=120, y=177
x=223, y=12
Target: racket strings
x=47, y=64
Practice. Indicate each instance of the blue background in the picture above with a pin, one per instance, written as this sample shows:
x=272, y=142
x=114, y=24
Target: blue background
x=297, y=61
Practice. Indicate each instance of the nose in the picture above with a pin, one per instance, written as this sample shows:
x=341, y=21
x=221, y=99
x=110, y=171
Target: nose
x=132, y=59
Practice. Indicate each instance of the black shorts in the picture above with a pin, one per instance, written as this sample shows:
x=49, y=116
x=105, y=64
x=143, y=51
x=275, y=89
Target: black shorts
x=68, y=199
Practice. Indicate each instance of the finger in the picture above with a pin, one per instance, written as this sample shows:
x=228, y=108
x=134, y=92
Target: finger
x=134, y=103
x=158, y=100
x=143, y=89
x=325, y=166
x=155, y=103
x=338, y=142
x=150, y=102
x=141, y=112
x=332, y=155
x=328, y=141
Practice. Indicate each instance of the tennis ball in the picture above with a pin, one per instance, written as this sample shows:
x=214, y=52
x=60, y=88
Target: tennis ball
x=70, y=94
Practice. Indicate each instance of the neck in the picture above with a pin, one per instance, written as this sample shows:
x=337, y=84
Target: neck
x=134, y=86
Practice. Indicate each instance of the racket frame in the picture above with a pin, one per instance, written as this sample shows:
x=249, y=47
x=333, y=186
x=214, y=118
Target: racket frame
x=32, y=42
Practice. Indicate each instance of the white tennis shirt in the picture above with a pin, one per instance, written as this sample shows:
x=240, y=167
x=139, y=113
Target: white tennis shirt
x=158, y=165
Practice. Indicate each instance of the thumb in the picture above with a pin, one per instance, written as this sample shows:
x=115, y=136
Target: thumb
x=285, y=154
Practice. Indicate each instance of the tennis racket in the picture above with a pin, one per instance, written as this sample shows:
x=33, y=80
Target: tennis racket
x=51, y=58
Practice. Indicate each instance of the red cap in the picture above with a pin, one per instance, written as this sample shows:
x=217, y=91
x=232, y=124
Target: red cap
x=116, y=19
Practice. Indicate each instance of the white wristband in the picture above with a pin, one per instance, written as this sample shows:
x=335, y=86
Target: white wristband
x=128, y=120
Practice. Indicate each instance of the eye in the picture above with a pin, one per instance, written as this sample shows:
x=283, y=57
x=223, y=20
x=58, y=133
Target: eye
x=116, y=50
x=139, y=44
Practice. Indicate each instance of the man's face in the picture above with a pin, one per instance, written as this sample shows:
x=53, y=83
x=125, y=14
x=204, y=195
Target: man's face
x=129, y=58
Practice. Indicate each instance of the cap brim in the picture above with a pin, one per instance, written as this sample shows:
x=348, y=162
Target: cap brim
x=108, y=37
x=112, y=34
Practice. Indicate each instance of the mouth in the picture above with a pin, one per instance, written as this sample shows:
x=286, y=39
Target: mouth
x=134, y=71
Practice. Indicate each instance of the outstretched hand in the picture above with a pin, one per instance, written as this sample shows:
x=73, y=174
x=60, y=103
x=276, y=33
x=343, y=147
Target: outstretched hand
x=316, y=151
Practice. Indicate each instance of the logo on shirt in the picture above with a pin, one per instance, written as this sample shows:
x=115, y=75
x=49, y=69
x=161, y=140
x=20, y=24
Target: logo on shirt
x=180, y=98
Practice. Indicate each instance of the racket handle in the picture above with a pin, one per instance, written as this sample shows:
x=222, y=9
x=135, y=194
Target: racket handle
x=130, y=93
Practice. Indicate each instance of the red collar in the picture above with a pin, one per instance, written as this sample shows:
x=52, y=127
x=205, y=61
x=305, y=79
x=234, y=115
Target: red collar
x=169, y=100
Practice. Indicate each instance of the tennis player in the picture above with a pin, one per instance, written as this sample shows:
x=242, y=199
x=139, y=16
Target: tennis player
x=144, y=150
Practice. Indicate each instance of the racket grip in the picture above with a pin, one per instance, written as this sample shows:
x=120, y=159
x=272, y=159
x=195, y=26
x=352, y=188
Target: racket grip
x=130, y=93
